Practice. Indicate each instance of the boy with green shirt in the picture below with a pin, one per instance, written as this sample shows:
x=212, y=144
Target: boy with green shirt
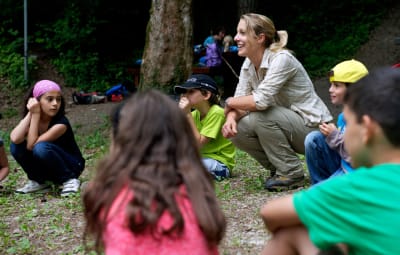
x=356, y=213
x=200, y=92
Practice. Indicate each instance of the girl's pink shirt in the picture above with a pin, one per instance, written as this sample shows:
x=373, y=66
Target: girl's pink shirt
x=118, y=239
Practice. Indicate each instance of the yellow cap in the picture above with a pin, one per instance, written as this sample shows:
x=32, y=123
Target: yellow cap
x=348, y=71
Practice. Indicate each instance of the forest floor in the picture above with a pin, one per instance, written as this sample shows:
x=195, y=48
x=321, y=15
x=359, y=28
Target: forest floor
x=245, y=233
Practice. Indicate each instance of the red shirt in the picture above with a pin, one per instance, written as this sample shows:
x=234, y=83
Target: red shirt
x=118, y=239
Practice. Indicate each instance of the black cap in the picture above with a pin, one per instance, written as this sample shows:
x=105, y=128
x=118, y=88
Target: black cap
x=198, y=81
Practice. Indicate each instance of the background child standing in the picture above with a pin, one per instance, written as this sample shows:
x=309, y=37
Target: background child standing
x=201, y=93
x=324, y=149
x=151, y=193
x=43, y=142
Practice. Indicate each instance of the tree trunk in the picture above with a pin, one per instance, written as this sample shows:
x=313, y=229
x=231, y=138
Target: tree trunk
x=168, y=51
x=246, y=6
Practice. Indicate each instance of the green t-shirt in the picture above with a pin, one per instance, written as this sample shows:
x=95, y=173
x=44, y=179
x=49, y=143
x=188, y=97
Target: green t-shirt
x=361, y=209
x=218, y=148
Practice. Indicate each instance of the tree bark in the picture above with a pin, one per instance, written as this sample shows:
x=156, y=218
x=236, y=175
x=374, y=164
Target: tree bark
x=168, y=51
x=246, y=6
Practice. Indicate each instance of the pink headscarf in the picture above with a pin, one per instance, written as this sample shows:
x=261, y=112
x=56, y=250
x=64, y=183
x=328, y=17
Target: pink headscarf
x=44, y=86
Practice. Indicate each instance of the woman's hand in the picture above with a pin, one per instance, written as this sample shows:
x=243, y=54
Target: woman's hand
x=327, y=128
x=33, y=105
x=229, y=129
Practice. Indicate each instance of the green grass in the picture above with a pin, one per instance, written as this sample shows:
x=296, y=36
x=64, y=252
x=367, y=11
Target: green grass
x=51, y=224
x=248, y=176
x=46, y=223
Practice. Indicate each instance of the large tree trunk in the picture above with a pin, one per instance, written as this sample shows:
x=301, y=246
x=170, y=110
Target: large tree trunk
x=168, y=51
x=246, y=6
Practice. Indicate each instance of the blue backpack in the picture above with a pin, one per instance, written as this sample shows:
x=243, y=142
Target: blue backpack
x=118, y=89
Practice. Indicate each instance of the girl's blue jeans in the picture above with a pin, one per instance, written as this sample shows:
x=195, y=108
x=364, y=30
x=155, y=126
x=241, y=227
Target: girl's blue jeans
x=322, y=161
x=47, y=162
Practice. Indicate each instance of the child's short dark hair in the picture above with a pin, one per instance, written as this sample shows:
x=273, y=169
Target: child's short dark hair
x=214, y=99
x=378, y=96
x=216, y=30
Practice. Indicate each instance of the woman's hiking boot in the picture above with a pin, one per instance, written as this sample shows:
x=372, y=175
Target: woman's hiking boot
x=282, y=183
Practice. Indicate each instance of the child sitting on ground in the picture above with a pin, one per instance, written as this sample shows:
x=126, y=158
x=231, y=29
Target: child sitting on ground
x=324, y=151
x=151, y=193
x=201, y=93
x=358, y=212
x=43, y=142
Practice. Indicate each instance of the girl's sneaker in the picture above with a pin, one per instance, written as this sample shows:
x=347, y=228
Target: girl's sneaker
x=33, y=186
x=70, y=186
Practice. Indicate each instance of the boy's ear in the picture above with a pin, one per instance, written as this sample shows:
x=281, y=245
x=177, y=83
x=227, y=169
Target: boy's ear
x=370, y=129
x=208, y=95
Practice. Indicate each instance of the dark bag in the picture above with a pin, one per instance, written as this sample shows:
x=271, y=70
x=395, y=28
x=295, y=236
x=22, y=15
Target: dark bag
x=87, y=98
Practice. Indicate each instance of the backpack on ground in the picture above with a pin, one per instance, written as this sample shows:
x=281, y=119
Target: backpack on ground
x=87, y=98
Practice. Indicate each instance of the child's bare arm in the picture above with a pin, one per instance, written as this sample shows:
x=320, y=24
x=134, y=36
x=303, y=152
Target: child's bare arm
x=201, y=139
x=279, y=213
x=52, y=133
x=186, y=107
x=19, y=133
x=4, y=168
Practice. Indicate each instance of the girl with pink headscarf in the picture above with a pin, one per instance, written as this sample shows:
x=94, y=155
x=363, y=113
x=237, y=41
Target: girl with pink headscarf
x=43, y=142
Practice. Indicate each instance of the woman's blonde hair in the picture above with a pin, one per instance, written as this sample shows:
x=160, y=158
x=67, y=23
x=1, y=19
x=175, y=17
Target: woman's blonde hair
x=257, y=24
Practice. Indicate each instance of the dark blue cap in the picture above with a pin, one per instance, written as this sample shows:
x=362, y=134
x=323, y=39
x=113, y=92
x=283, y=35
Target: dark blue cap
x=198, y=81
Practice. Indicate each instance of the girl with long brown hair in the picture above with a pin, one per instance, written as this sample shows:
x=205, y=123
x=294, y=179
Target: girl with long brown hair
x=151, y=193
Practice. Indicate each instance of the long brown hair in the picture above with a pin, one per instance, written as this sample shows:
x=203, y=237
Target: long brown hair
x=154, y=152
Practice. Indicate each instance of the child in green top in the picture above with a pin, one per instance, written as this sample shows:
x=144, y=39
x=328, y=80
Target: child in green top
x=357, y=212
x=201, y=93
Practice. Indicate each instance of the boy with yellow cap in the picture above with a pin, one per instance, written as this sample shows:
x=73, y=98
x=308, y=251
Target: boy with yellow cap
x=324, y=150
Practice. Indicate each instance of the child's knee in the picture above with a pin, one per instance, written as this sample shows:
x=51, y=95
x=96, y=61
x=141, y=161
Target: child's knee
x=313, y=139
x=18, y=150
x=41, y=150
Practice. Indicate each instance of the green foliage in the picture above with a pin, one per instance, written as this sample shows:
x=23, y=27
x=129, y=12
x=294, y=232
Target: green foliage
x=321, y=33
x=96, y=140
x=326, y=33
x=11, y=60
x=45, y=223
x=73, y=42
x=10, y=112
